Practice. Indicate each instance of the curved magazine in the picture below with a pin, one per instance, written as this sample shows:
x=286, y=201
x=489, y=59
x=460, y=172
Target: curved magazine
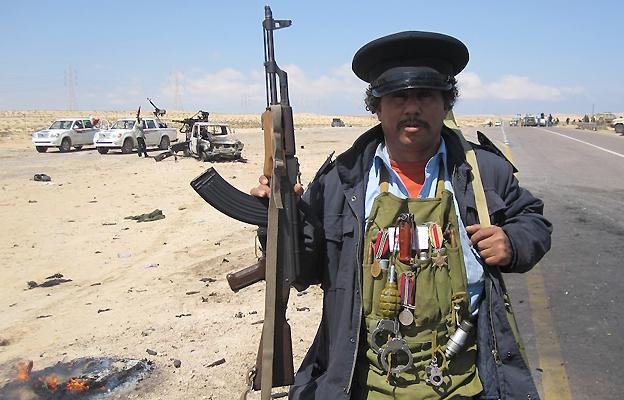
x=217, y=192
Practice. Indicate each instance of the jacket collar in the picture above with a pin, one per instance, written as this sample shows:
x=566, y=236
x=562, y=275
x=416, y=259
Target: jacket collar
x=352, y=167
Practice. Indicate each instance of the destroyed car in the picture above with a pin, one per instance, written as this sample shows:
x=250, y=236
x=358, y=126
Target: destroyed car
x=121, y=135
x=337, y=123
x=65, y=133
x=213, y=141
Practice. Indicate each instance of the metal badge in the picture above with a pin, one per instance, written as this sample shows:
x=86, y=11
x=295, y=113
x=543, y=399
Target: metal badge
x=406, y=317
x=434, y=374
x=375, y=269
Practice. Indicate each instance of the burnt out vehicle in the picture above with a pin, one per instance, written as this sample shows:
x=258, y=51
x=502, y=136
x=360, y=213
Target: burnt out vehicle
x=212, y=141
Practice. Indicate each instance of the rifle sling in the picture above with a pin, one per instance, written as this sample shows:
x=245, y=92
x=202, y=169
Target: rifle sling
x=268, y=328
x=477, y=185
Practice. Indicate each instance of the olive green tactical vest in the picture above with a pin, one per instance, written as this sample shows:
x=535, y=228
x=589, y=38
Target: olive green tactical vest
x=439, y=298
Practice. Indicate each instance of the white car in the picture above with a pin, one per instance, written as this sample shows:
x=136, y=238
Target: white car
x=65, y=133
x=121, y=135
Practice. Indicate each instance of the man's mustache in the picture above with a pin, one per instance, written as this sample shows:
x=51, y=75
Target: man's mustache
x=412, y=122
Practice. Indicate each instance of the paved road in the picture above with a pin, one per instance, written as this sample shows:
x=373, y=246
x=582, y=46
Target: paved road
x=570, y=305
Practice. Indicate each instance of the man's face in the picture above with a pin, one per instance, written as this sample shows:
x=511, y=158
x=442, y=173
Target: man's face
x=412, y=120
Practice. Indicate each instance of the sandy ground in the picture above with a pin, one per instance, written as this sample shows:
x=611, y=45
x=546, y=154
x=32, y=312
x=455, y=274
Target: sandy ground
x=138, y=286
x=117, y=304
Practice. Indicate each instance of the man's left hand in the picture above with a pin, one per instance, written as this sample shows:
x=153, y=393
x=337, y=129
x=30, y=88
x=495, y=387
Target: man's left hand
x=492, y=243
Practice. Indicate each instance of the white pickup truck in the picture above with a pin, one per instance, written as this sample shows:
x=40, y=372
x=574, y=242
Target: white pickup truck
x=121, y=135
x=65, y=133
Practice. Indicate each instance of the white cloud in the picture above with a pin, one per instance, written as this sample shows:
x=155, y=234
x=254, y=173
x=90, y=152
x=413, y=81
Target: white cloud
x=230, y=90
x=510, y=87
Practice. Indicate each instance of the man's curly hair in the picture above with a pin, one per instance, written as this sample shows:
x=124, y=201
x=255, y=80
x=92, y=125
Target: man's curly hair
x=449, y=96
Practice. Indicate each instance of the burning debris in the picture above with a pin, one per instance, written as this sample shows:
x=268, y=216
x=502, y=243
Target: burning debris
x=82, y=378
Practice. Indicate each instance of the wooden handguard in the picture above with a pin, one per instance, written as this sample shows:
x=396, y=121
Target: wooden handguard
x=267, y=127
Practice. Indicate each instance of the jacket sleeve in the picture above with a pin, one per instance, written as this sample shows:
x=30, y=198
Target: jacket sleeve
x=528, y=231
x=311, y=233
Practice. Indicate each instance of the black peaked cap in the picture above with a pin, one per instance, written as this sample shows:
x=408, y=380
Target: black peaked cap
x=444, y=54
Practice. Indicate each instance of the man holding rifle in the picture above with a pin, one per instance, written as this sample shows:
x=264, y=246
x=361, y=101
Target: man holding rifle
x=408, y=232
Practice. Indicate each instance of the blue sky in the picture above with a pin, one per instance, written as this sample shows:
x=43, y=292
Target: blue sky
x=525, y=56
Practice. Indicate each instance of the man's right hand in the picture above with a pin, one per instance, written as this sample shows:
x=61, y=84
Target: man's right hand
x=264, y=190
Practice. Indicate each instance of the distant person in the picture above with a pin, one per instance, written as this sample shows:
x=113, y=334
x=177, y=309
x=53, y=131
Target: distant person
x=585, y=118
x=568, y=121
x=140, y=137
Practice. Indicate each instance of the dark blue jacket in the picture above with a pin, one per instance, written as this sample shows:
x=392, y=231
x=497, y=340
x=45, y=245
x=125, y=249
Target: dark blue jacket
x=333, y=208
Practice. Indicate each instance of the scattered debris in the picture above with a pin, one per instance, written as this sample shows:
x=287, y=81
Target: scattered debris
x=109, y=223
x=151, y=352
x=258, y=322
x=48, y=283
x=225, y=260
x=96, y=284
x=57, y=275
x=177, y=363
x=42, y=178
x=181, y=208
x=239, y=315
x=214, y=364
x=208, y=280
x=299, y=294
x=44, y=316
x=192, y=292
x=183, y=315
x=152, y=265
x=205, y=299
x=32, y=201
x=4, y=342
x=152, y=216
x=103, y=310
x=303, y=308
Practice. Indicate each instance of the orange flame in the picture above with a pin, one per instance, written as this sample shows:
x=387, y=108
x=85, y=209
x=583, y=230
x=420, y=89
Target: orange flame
x=23, y=370
x=77, y=385
x=51, y=382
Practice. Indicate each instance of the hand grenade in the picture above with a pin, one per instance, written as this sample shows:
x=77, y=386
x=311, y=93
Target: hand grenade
x=390, y=298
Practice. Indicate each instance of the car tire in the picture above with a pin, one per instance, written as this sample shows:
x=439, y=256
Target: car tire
x=65, y=145
x=127, y=146
x=41, y=149
x=164, y=143
x=619, y=128
x=203, y=156
x=103, y=150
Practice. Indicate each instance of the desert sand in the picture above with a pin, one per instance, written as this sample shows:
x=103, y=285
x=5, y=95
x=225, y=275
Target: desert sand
x=141, y=285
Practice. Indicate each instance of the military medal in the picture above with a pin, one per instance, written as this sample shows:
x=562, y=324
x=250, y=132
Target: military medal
x=406, y=290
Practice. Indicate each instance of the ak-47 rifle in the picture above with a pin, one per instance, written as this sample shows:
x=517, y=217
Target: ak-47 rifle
x=274, y=365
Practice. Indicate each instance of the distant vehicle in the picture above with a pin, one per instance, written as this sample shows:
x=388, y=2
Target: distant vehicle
x=618, y=124
x=498, y=123
x=514, y=122
x=337, y=123
x=529, y=120
x=541, y=121
x=121, y=135
x=65, y=133
x=213, y=141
